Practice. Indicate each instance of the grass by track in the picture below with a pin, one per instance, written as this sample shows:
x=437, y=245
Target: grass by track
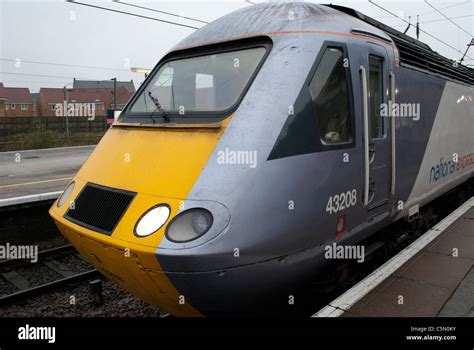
x=37, y=139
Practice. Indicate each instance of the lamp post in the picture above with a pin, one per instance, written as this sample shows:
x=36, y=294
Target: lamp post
x=115, y=93
x=65, y=109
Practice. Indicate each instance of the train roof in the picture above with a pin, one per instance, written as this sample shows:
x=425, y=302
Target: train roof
x=414, y=53
x=277, y=18
x=271, y=18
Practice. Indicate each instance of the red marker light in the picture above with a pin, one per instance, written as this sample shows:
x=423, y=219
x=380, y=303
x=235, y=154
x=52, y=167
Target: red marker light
x=340, y=226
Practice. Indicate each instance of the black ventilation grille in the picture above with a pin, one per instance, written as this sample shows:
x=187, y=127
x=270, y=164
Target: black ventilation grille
x=99, y=208
x=419, y=57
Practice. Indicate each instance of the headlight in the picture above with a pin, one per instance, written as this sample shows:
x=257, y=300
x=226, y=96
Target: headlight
x=152, y=220
x=65, y=195
x=189, y=225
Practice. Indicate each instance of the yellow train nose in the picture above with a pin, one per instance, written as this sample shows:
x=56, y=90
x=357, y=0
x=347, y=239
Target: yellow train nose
x=126, y=259
x=154, y=166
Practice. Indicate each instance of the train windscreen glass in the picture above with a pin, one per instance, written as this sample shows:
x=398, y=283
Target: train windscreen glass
x=209, y=83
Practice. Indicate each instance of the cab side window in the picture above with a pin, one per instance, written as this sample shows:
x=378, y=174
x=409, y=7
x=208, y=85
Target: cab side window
x=377, y=127
x=329, y=90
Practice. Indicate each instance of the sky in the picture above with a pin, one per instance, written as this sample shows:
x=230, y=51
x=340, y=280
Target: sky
x=62, y=33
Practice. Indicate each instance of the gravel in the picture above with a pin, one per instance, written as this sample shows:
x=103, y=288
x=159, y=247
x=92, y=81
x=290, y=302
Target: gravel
x=38, y=274
x=73, y=300
x=6, y=287
x=117, y=303
x=75, y=263
x=51, y=243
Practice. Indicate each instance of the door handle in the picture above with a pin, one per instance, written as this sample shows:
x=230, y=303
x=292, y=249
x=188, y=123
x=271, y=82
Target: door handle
x=372, y=189
x=371, y=152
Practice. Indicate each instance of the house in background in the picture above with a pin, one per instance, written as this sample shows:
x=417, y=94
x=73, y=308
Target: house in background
x=103, y=98
x=3, y=100
x=34, y=96
x=123, y=96
x=18, y=102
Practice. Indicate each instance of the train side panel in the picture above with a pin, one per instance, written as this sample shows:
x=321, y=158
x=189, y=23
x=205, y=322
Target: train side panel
x=435, y=152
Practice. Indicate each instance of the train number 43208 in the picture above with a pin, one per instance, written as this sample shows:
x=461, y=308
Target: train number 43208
x=341, y=201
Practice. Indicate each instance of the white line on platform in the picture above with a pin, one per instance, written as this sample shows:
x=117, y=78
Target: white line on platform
x=344, y=302
x=46, y=172
x=47, y=149
x=29, y=199
x=36, y=182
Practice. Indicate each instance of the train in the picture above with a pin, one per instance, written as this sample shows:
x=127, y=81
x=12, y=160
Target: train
x=260, y=140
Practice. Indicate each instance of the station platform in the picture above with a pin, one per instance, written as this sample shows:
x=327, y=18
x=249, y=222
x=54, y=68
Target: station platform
x=37, y=175
x=434, y=276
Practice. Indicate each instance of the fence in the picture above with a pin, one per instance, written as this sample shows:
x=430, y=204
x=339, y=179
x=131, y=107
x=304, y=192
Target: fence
x=12, y=125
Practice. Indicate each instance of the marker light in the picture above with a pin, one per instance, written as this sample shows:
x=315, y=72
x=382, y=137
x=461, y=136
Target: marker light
x=152, y=220
x=65, y=195
x=189, y=225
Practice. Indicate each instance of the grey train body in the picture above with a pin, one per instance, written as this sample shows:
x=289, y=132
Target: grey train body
x=278, y=223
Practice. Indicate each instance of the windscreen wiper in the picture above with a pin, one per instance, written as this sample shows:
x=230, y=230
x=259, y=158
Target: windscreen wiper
x=158, y=109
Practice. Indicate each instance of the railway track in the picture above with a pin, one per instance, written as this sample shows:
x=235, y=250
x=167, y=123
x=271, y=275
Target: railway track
x=55, y=268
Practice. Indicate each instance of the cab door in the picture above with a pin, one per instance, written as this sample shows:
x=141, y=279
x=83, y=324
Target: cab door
x=376, y=129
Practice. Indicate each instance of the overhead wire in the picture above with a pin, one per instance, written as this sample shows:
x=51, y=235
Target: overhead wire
x=421, y=30
x=131, y=14
x=62, y=64
x=159, y=11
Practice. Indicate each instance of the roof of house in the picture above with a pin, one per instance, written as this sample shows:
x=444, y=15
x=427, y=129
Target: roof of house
x=17, y=95
x=56, y=95
x=102, y=84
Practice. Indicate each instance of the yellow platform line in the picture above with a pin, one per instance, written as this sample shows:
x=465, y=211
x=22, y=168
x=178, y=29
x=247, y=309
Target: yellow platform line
x=35, y=182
